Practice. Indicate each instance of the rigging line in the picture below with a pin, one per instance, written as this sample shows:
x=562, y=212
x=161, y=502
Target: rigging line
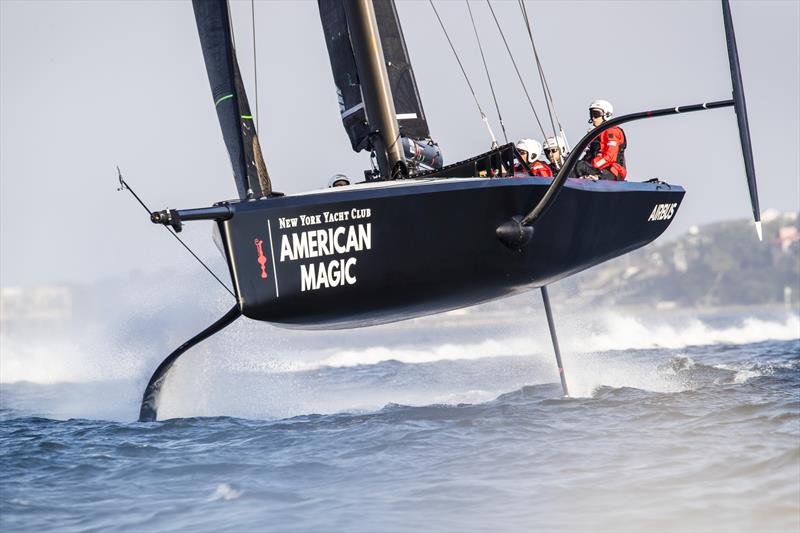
x=513, y=62
x=551, y=106
x=555, y=113
x=464, y=72
x=123, y=185
x=538, y=65
x=486, y=68
x=255, y=62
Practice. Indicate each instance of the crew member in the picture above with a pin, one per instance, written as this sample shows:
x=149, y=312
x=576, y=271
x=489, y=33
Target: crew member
x=605, y=157
x=554, y=151
x=529, y=150
x=338, y=180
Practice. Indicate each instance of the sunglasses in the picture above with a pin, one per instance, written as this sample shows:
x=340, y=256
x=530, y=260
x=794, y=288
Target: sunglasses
x=595, y=113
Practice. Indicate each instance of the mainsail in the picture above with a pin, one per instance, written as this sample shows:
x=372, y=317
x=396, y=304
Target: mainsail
x=407, y=102
x=230, y=99
x=410, y=115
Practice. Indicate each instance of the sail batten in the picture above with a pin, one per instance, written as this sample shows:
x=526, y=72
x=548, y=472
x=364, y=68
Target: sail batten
x=230, y=98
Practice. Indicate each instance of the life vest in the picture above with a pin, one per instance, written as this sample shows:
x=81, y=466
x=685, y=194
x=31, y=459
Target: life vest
x=537, y=169
x=607, y=150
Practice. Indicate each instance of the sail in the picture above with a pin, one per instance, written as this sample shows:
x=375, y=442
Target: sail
x=345, y=74
x=410, y=115
x=230, y=99
x=405, y=94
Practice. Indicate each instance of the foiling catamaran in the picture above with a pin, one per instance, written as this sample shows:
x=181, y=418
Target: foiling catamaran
x=416, y=237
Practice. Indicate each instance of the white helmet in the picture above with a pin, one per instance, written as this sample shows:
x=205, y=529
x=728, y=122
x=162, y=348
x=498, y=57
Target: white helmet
x=531, y=146
x=337, y=178
x=554, y=142
x=604, y=106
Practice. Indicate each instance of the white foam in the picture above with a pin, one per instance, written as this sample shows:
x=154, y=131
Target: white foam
x=616, y=333
x=742, y=376
x=47, y=361
x=225, y=492
x=629, y=333
x=442, y=352
x=746, y=371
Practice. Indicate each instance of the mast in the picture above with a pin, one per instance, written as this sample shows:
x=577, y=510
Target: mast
x=420, y=151
x=375, y=88
x=230, y=100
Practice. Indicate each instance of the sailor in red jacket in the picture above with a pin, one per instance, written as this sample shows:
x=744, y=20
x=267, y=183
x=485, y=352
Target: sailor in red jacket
x=529, y=150
x=605, y=157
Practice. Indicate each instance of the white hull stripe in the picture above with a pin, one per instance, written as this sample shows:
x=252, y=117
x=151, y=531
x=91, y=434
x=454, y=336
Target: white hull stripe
x=274, y=264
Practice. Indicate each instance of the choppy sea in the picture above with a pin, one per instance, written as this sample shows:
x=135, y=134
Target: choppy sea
x=452, y=423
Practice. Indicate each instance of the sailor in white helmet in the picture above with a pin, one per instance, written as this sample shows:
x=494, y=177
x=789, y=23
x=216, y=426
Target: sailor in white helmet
x=338, y=180
x=529, y=150
x=605, y=157
x=554, y=151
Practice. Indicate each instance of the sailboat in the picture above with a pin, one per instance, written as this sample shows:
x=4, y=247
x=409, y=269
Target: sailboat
x=416, y=237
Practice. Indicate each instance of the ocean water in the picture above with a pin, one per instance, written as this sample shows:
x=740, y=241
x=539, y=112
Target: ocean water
x=453, y=423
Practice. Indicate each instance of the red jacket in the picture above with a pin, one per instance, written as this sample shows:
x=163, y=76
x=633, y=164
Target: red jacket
x=608, y=151
x=537, y=168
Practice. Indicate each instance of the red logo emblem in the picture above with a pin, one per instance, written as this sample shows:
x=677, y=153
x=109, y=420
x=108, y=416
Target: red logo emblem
x=262, y=259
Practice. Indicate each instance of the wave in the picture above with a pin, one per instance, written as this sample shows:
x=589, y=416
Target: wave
x=615, y=333
x=443, y=352
x=57, y=360
x=631, y=333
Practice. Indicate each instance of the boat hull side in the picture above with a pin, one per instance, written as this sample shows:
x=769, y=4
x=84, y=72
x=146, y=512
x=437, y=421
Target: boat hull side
x=360, y=257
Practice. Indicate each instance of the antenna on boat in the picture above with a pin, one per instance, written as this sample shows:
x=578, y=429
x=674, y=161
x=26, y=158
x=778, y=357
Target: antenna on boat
x=741, y=114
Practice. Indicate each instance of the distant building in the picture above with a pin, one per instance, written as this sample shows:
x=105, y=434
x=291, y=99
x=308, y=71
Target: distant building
x=787, y=236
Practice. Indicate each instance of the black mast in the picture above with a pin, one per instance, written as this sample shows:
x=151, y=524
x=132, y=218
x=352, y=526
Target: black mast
x=378, y=96
x=375, y=88
x=230, y=99
x=741, y=113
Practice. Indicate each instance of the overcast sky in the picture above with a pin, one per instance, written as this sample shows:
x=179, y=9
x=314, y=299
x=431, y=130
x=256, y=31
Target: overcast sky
x=86, y=86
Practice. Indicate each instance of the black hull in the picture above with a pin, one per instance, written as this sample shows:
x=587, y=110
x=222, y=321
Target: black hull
x=418, y=247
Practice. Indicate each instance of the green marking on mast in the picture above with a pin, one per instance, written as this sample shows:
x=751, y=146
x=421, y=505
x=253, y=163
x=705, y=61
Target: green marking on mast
x=248, y=116
x=223, y=98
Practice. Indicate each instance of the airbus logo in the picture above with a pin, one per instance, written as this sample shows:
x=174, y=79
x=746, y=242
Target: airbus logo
x=662, y=212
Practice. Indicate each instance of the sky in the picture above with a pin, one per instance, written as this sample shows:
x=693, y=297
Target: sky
x=87, y=86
